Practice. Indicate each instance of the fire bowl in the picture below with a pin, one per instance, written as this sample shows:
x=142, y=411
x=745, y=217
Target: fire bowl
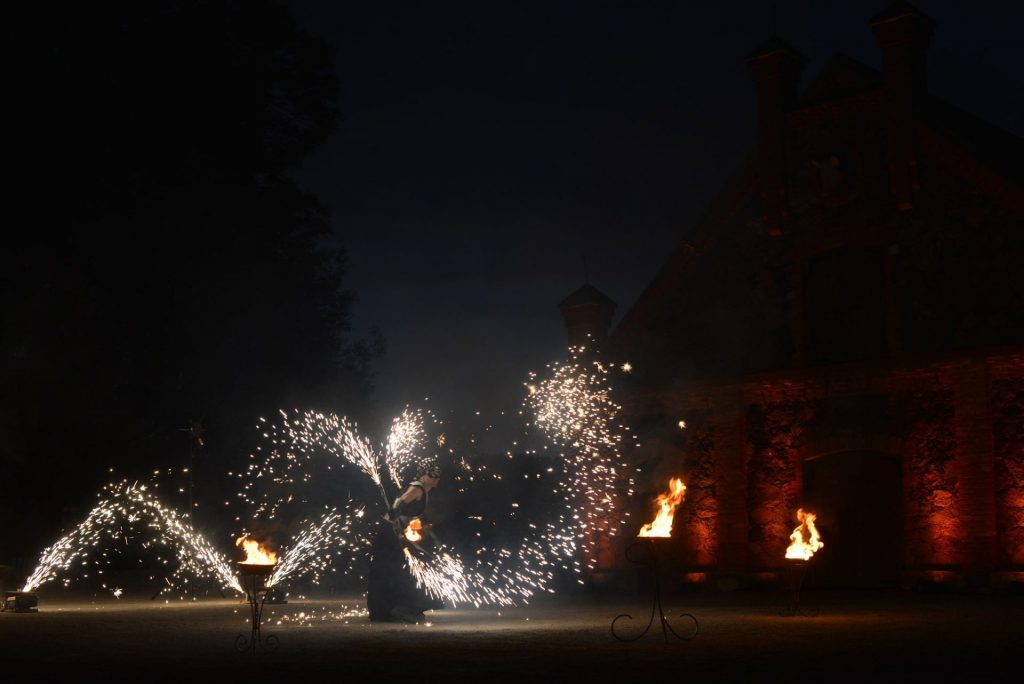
x=20, y=601
x=255, y=568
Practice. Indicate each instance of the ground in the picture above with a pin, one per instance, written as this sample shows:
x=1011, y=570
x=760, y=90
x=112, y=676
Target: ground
x=854, y=636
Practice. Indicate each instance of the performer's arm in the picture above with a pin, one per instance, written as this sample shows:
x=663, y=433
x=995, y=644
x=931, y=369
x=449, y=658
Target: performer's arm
x=410, y=495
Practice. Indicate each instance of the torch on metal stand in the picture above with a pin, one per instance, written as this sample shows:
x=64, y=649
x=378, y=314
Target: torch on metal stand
x=804, y=542
x=653, y=562
x=797, y=574
x=253, y=578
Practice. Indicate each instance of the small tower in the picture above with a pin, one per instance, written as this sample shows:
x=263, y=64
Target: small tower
x=588, y=316
x=902, y=32
x=775, y=68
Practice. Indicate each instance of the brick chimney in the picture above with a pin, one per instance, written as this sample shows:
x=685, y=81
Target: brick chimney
x=902, y=32
x=588, y=316
x=775, y=68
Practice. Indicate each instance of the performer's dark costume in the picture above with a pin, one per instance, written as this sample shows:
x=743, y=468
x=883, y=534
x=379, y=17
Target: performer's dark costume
x=391, y=592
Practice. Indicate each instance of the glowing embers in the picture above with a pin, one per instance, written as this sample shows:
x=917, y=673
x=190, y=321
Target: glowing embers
x=661, y=526
x=413, y=530
x=255, y=552
x=805, y=540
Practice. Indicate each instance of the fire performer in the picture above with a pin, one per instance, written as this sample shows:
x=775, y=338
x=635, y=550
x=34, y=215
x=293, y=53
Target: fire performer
x=392, y=595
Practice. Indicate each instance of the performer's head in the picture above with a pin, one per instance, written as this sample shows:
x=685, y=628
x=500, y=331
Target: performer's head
x=429, y=474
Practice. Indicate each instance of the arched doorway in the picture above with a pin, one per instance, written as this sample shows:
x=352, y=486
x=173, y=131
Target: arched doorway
x=858, y=497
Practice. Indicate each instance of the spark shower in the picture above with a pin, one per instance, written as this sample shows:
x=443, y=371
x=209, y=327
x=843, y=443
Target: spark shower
x=570, y=405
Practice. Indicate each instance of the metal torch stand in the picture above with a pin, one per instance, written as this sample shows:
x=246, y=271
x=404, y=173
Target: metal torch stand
x=652, y=561
x=256, y=594
x=797, y=575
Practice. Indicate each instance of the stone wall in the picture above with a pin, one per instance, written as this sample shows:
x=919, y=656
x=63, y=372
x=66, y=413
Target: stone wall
x=957, y=426
x=776, y=434
x=1008, y=433
x=923, y=413
x=698, y=518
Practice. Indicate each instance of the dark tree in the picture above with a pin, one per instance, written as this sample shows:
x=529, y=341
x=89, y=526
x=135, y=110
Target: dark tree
x=168, y=269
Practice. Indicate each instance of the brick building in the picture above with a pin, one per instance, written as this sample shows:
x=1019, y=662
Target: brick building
x=844, y=332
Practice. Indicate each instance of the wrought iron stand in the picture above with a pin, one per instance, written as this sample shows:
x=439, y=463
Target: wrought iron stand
x=652, y=561
x=797, y=574
x=252, y=577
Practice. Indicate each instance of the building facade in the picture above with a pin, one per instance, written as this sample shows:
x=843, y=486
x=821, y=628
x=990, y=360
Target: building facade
x=843, y=333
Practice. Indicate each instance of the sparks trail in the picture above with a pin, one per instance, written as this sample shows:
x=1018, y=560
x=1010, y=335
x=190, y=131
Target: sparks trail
x=312, y=616
x=406, y=438
x=121, y=507
x=443, y=574
x=317, y=544
x=572, y=405
x=127, y=510
x=278, y=475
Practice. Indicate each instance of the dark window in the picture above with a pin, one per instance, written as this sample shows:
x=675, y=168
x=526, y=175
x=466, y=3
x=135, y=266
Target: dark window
x=844, y=306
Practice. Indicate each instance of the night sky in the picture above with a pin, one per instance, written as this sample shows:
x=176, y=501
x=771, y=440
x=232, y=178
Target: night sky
x=488, y=150
x=488, y=157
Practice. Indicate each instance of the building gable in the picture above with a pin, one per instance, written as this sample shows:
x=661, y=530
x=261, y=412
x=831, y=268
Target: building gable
x=734, y=301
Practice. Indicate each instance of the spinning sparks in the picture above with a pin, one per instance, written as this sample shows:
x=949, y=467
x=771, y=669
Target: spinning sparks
x=295, y=444
x=127, y=511
x=804, y=541
x=573, y=407
x=661, y=526
x=114, y=519
x=404, y=440
x=315, y=546
x=443, y=576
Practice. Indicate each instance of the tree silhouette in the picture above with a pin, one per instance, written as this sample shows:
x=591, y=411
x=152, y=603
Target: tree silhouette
x=170, y=268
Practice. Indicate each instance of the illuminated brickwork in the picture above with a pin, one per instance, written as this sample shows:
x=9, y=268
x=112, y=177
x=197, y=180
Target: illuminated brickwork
x=854, y=289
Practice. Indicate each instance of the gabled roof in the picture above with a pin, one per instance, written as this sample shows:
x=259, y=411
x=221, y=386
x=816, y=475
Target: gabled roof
x=1001, y=150
x=773, y=45
x=842, y=76
x=734, y=196
x=587, y=295
x=985, y=155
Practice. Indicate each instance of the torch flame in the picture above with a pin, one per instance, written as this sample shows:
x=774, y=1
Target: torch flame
x=255, y=552
x=805, y=540
x=412, y=532
x=661, y=526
